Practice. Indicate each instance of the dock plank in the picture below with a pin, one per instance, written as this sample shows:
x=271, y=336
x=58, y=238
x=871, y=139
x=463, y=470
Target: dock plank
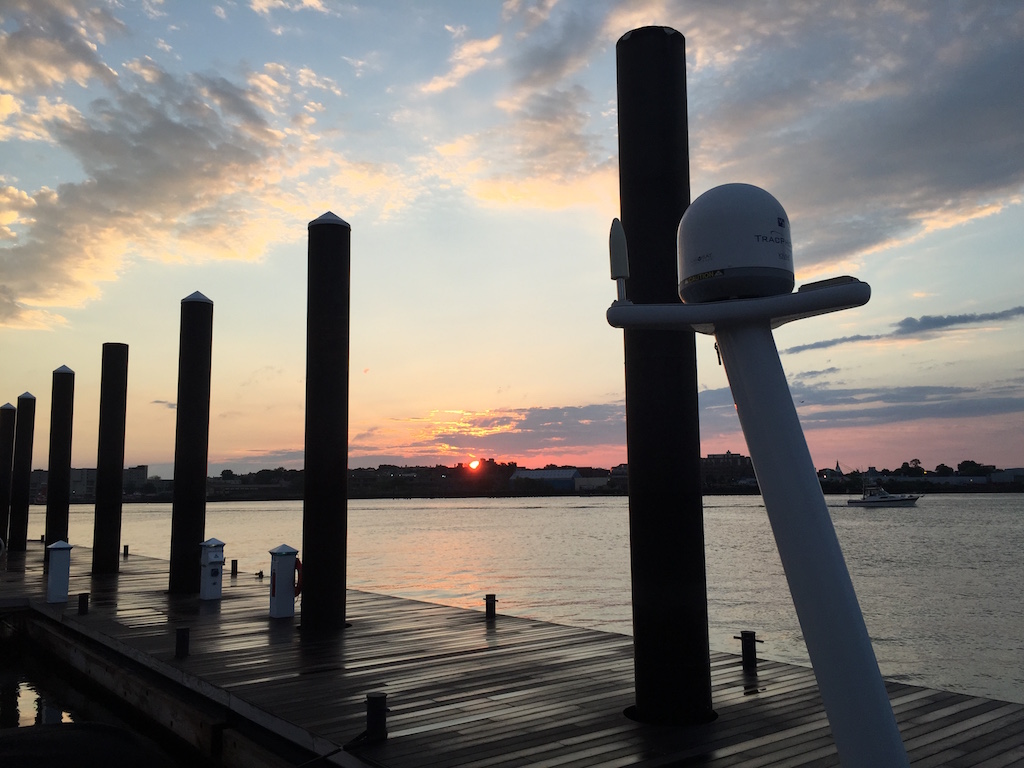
x=464, y=691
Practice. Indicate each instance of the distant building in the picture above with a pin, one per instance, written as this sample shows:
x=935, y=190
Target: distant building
x=1010, y=476
x=726, y=468
x=135, y=478
x=563, y=480
x=831, y=474
x=83, y=483
x=619, y=477
x=592, y=479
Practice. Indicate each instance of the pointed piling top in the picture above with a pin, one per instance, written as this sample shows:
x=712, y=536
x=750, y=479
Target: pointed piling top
x=197, y=296
x=61, y=545
x=329, y=218
x=26, y=396
x=284, y=549
x=7, y=407
x=64, y=369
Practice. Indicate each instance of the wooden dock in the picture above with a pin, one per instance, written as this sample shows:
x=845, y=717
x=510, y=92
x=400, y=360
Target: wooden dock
x=461, y=691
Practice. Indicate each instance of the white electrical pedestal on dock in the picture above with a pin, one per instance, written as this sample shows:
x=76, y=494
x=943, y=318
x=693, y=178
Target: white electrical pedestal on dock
x=58, y=577
x=284, y=569
x=211, y=564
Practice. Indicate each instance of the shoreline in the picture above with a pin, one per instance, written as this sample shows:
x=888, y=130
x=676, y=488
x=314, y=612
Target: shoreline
x=909, y=486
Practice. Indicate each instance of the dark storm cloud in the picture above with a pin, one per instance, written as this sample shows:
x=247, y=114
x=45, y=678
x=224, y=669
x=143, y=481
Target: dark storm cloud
x=911, y=326
x=544, y=432
x=526, y=432
x=824, y=406
x=921, y=327
x=826, y=343
x=866, y=121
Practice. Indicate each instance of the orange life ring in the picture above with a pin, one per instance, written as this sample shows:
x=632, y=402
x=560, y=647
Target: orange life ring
x=298, y=577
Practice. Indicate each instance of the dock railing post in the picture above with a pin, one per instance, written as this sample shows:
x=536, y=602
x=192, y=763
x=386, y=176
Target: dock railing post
x=672, y=663
x=376, y=716
x=748, y=649
x=181, y=640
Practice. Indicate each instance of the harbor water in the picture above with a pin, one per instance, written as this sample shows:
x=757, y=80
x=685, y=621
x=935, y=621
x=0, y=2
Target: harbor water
x=941, y=584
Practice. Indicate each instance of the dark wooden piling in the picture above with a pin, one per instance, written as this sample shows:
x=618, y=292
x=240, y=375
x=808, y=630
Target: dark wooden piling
x=670, y=624
x=21, y=472
x=8, y=419
x=325, y=505
x=110, y=458
x=58, y=473
x=191, y=443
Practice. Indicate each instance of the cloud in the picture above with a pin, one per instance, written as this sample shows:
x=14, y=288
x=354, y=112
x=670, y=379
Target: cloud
x=519, y=434
x=189, y=166
x=468, y=57
x=858, y=99
x=826, y=406
x=826, y=343
x=919, y=327
x=255, y=460
x=543, y=144
x=169, y=166
x=307, y=78
x=559, y=48
x=165, y=403
x=911, y=326
x=53, y=41
x=265, y=7
x=532, y=14
x=543, y=155
x=543, y=434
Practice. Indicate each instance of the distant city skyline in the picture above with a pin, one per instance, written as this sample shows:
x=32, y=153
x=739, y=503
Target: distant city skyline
x=154, y=149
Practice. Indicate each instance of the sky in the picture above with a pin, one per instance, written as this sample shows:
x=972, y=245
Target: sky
x=152, y=149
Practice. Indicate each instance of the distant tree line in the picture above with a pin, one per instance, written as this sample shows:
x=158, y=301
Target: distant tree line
x=724, y=474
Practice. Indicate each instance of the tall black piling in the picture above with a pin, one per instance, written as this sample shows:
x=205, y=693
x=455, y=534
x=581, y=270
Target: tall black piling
x=8, y=418
x=325, y=504
x=666, y=528
x=21, y=472
x=58, y=473
x=191, y=443
x=110, y=459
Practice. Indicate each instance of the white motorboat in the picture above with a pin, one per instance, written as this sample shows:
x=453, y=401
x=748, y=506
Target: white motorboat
x=876, y=496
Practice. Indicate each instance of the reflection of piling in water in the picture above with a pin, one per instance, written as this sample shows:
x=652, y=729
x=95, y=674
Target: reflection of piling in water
x=191, y=443
x=670, y=623
x=8, y=418
x=110, y=458
x=21, y=474
x=325, y=501
x=58, y=474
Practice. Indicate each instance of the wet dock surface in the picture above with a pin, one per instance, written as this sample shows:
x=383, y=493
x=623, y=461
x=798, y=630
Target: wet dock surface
x=464, y=691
